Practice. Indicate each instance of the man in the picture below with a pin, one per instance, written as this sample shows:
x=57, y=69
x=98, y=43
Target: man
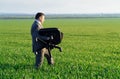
x=38, y=47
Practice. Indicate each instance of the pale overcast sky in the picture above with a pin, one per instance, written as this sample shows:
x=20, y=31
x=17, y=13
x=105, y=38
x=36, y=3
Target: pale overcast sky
x=60, y=6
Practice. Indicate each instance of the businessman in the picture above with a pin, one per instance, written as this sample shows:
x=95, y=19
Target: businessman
x=37, y=46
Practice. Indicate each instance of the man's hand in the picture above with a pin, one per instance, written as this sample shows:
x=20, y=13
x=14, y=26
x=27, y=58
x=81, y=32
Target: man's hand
x=50, y=38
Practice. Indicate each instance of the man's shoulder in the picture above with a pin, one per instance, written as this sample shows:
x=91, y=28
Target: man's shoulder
x=34, y=24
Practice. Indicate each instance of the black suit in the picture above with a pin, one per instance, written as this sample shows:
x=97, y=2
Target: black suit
x=37, y=46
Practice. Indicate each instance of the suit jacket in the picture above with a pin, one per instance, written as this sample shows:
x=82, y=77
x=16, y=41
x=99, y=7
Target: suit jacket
x=37, y=45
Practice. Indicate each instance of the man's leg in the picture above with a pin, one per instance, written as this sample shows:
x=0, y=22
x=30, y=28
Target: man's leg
x=48, y=56
x=39, y=58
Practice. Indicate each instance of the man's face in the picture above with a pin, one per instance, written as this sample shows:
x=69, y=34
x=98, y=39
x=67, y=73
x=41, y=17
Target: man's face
x=42, y=19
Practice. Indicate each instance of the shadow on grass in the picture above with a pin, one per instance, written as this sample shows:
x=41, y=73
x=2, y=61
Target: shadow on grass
x=16, y=66
x=21, y=66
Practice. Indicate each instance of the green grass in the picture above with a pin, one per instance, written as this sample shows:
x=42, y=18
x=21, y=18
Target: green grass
x=91, y=50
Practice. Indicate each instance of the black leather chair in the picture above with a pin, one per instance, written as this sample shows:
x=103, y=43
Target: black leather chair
x=57, y=36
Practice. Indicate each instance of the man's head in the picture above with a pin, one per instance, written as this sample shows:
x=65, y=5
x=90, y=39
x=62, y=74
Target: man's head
x=40, y=16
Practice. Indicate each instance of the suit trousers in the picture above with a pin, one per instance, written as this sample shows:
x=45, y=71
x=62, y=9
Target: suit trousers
x=40, y=57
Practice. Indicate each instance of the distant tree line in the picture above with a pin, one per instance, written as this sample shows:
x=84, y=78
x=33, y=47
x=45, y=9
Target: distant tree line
x=58, y=16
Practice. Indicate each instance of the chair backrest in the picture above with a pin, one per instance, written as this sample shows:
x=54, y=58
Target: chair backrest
x=55, y=32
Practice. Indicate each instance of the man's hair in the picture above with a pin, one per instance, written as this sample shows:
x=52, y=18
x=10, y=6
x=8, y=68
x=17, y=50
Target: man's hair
x=39, y=14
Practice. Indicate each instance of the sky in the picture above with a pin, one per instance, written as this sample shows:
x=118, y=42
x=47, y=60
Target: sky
x=60, y=6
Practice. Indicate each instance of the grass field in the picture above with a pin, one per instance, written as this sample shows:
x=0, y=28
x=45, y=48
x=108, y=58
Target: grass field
x=91, y=50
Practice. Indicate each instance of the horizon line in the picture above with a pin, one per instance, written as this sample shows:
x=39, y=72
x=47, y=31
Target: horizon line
x=55, y=13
